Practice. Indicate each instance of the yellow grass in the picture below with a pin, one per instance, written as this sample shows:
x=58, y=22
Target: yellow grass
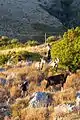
x=66, y=96
x=38, y=49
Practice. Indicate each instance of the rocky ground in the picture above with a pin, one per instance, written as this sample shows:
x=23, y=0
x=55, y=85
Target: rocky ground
x=48, y=105
x=38, y=103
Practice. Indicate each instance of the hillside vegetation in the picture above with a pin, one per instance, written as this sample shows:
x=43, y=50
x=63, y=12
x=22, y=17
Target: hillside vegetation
x=18, y=63
x=67, y=49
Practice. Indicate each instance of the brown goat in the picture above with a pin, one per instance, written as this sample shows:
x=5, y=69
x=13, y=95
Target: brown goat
x=57, y=79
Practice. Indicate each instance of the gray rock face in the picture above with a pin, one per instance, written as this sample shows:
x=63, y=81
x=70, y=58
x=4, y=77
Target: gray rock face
x=25, y=19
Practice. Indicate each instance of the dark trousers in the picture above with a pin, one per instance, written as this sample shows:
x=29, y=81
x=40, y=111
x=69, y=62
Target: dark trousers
x=49, y=56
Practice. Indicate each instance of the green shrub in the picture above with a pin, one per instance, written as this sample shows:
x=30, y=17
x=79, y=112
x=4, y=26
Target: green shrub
x=50, y=39
x=3, y=59
x=15, y=57
x=14, y=41
x=68, y=48
x=23, y=55
x=34, y=56
x=32, y=42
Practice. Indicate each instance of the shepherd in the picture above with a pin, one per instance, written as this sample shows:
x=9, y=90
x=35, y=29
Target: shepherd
x=49, y=53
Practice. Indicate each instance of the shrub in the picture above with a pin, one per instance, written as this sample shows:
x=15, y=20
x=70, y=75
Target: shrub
x=14, y=41
x=51, y=39
x=27, y=55
x=32, y=42
x=3, y=59
x=68, y=49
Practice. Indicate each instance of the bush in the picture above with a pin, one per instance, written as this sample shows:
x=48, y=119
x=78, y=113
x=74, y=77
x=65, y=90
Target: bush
x=68, y=49
x=23, y=55
x=14, y=41
x=32, y=42
x=3, y=59
x=15, y=57
x=51, y=39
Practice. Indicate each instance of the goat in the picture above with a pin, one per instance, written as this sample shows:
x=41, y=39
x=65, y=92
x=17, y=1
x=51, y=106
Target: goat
x=39, y=65
x=57, y=79
x=54, y=63
x=42, y=63
x=24, y=87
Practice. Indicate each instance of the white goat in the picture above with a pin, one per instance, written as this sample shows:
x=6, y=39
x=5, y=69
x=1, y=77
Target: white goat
x=54, y=63
x=39, y=65
x=42, y=63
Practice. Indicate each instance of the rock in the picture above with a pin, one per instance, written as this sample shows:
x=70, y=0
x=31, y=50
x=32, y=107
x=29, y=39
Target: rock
x=6, y=118
x=28, y=63
x=2, y=81
x=40, y=99
x=78, y=98
x=78, y=94
x=2, y=69
x=63, y=109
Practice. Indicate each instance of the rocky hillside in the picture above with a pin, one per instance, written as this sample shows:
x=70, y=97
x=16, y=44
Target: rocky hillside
x=20, y=64
x=29, y=19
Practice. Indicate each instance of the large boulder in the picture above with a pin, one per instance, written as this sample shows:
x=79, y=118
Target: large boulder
x=40, y=99
x=63, y=109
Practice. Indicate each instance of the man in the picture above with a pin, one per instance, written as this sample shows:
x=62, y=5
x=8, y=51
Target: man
x=49, y=52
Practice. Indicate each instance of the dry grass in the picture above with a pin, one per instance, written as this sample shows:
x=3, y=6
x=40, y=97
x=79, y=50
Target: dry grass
x=2, y=75
x=22, y=73
x=45, y=114
x=37, y=113
x=66, y=96
x=20, y=107
x=14, y=91
x=73, y=81
x=70, y=116
x=34, y=114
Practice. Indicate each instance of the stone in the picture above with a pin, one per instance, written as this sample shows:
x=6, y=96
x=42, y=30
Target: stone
x=40, y=99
